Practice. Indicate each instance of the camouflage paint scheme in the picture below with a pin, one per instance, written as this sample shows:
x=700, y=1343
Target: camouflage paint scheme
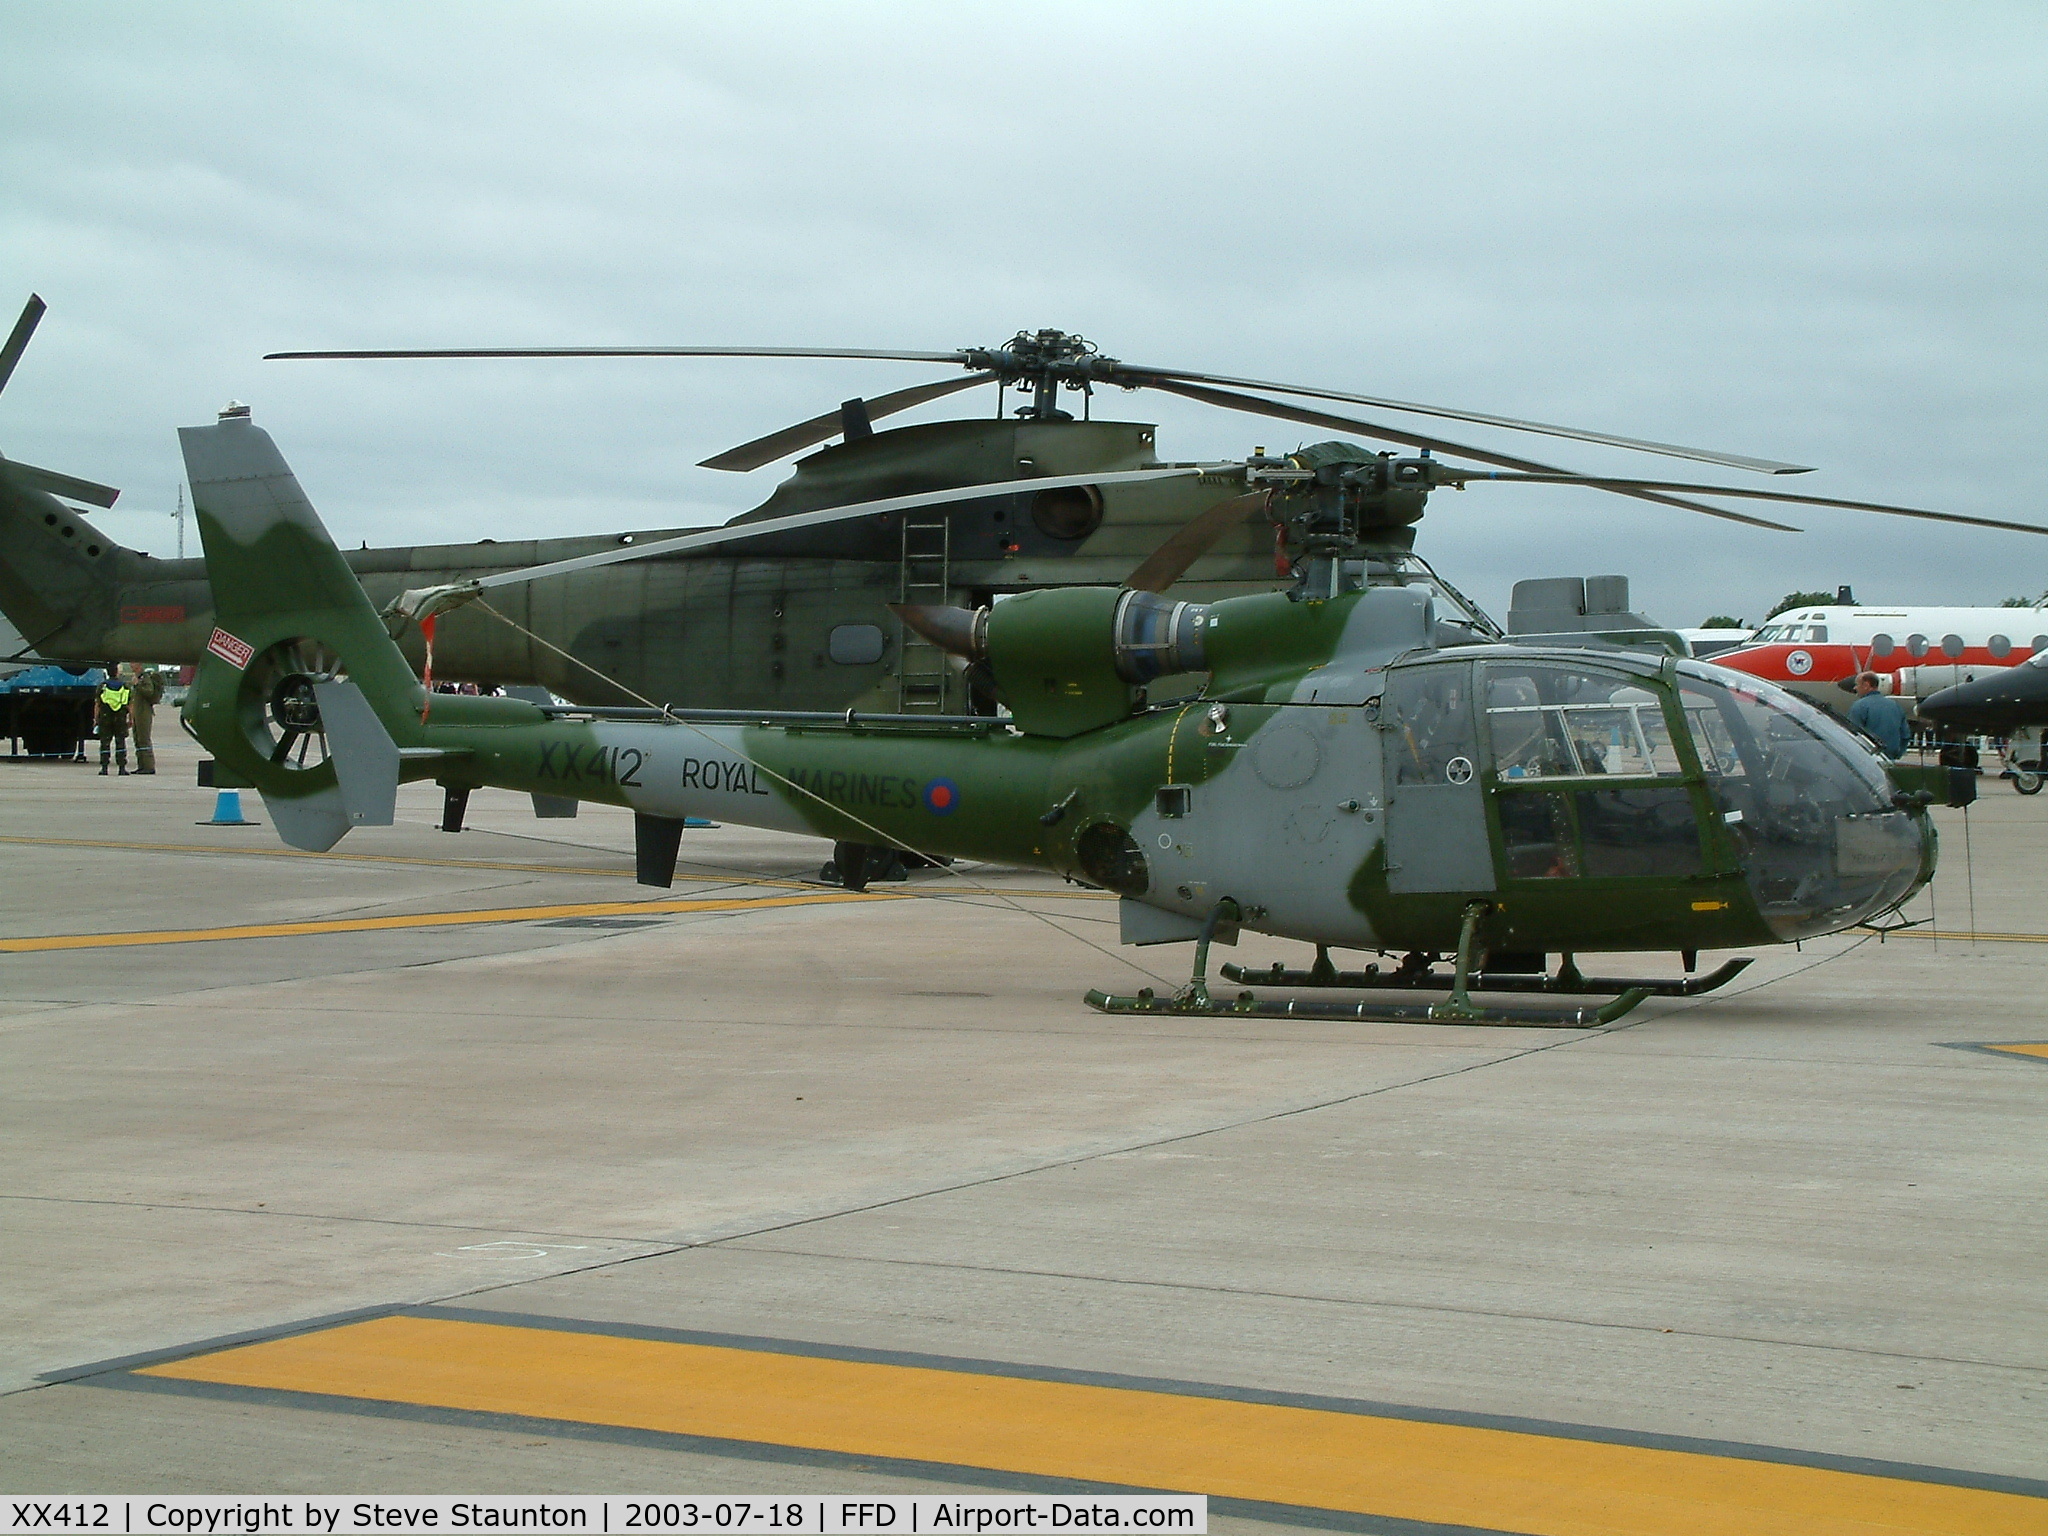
x=749, y=629
x=1270, y=789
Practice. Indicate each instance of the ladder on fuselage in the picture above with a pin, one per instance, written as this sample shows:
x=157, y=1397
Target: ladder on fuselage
x=923, y=675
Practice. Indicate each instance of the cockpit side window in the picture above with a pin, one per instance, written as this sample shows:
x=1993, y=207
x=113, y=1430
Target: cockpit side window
x=1432, y=715
x=1553, y=721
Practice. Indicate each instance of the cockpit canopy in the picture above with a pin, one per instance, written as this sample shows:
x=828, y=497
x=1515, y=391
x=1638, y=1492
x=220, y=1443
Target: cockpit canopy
x=1611, y=766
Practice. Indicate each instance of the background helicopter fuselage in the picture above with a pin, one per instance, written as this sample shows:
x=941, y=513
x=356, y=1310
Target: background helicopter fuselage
x=791, y=621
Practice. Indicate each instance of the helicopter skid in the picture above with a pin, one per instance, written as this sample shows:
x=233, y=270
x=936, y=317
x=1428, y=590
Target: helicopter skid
x=1198, y=1003
x=1571, y=982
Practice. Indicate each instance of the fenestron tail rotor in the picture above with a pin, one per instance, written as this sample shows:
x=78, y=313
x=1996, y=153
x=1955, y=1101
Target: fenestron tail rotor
x=279, y=709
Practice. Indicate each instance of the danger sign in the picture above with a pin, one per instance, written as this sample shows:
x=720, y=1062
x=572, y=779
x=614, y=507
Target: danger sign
x=230, y=650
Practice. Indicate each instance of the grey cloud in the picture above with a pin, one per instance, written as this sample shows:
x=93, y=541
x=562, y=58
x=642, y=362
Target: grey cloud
x=1812, y=232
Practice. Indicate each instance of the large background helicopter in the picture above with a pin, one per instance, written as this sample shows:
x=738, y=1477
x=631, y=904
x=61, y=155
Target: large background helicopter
x=764, y=619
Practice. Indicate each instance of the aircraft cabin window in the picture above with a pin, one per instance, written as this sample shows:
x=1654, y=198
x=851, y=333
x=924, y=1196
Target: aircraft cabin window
x=1882, y=645
x=855, y=645
x=2040, y=644
x=1536, y=835
x=1649, y=830
x=1952, y=645
x=1433, y=725
x=1916, y=646
x=1558, y=722
x=2001, y=646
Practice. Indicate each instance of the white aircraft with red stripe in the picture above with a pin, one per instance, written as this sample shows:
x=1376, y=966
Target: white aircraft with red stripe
x=1915, y=651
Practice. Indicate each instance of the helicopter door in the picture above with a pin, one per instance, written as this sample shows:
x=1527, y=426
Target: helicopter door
x=1436, y=806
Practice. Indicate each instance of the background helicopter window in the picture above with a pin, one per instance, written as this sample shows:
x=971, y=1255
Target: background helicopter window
x=1536, y=836
x=855, y=645
x=1649, y=830
x=1551, y=721
x=1067, y=512
x=1432, y=710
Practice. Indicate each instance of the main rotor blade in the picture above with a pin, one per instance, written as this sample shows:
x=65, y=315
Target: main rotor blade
x=17, y=339
x=1135, y=374
x=1230, y=400
x=416, y=602
x=1192, y=540
x=1605, y=484
x=56, y=484
x=904, y=357
x=780, y=445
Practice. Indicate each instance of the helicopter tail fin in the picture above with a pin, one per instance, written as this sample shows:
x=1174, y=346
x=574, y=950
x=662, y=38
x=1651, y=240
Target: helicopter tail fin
x=299, y=659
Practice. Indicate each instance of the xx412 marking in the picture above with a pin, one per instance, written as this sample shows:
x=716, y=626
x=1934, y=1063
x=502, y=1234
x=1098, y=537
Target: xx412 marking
x=567, y=760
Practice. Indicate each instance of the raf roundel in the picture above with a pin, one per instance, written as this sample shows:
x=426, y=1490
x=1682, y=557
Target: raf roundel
x=941, y=796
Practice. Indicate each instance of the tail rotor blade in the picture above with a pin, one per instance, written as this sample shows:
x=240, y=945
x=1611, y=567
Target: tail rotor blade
x=17, y=339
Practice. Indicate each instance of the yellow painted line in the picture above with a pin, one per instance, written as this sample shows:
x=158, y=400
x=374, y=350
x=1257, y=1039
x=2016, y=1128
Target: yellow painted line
x=2021, y=1050
x=430, y=920
x=298, y=853
x=1314, y=1458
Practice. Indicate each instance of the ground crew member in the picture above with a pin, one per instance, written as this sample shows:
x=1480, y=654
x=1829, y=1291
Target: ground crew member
x=110, y=721
x=147, y=685
x=1879, y=718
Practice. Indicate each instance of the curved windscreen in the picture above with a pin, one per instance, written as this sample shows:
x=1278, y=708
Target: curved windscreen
x=1808, y=804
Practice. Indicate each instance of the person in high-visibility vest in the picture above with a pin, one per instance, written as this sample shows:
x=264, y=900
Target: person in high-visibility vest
x=110, y=721
x=147, y=686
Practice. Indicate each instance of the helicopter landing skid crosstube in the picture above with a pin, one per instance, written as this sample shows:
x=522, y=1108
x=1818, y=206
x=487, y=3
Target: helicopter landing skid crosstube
x=1416, y=972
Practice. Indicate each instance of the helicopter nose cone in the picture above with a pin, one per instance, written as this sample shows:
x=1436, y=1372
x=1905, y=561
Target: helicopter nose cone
x=1808, y=804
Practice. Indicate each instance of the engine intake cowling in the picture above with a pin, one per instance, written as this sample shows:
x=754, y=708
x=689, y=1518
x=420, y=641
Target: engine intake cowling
x=1066, y=660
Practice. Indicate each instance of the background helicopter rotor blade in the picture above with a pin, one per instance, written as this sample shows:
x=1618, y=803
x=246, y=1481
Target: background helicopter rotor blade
x=1192, y=540
x=885, y=356
x=1606, y=484
x=50, y=480
x=779, y=445
x=68, y=486
x=1131, y=373
x=17, y=339
x=1232, y=401
x=417, y=602
x=1053, y=360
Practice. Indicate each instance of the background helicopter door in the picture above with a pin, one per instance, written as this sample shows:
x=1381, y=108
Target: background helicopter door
x=1436, y=805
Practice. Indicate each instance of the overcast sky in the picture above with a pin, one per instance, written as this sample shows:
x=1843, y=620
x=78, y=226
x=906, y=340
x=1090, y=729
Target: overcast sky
x=1806, y=232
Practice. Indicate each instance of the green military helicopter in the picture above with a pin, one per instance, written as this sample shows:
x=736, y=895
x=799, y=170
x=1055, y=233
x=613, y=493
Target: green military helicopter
x=1356, y=771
